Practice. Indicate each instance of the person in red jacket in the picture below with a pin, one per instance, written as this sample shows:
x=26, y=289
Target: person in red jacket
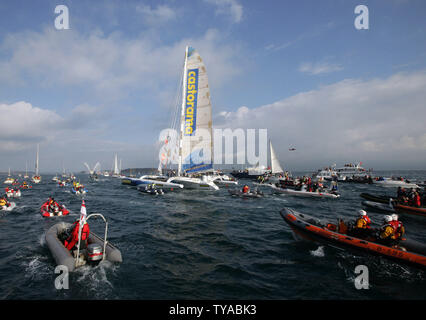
x=72, y=240
x=246, y=189
x=416, y=200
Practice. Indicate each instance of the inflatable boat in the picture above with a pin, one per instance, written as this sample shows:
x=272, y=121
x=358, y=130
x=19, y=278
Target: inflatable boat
x=377, y=206
x=9, y=207
x=97, y=250
x=239, y=193
x=313, y=229
x=303, y=193
x=11, y=193
x=370, y=197
x=81, y=190
x=151, y=191
x=60, y=210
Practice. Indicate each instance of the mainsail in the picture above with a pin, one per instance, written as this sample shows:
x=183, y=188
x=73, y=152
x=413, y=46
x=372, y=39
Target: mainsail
x=195, y=143
x=275, y=163
x=116, y=170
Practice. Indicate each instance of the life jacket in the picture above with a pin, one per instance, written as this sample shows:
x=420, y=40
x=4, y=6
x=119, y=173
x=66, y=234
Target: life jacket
x=385, y=232
x=246, y=189
x=73, y=239
x=365, y=222
x=2, y=202
x=399, y=230
x=417, y=201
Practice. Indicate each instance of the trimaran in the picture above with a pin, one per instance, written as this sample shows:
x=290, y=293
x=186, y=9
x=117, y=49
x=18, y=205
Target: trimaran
x=195, y=137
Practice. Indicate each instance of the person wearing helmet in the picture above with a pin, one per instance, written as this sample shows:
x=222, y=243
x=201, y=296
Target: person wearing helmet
x=398, y=227
x=362, y=224
x=387, y=231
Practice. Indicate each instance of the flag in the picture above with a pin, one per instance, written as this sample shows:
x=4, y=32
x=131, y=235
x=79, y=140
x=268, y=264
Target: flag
x=83, y=214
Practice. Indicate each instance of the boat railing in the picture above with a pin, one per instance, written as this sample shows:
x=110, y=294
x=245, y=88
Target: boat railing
x=81, y=229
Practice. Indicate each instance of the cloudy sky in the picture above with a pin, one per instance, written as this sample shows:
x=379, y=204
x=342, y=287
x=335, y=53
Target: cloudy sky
x=297, y=68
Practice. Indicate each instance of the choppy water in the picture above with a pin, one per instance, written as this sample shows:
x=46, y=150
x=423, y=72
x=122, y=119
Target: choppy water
x=199, y=245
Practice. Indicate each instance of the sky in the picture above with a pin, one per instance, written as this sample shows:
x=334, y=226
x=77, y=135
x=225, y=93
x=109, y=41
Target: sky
x=300, y=69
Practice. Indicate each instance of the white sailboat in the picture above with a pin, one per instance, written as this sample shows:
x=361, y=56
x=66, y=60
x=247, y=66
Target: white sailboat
x=195, y=140
x=37, y=178
x=275, y=163
x=9, y=179
x=115, y=169
x=26, y=171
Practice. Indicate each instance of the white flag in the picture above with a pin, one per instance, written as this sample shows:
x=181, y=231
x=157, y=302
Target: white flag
x=83, y=213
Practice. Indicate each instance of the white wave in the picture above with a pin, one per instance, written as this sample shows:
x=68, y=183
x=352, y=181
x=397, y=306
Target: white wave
x=319, y=252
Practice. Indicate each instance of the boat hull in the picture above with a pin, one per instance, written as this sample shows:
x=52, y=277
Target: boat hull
x=395, y=183
x=194, y=183
x=380, y=199
x=377, y=206
x=145, y=182
x=305, y=193
x=11, y=206
x=418, y=211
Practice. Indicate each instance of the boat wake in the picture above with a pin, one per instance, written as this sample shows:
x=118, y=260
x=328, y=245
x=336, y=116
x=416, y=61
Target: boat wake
x=95, y=280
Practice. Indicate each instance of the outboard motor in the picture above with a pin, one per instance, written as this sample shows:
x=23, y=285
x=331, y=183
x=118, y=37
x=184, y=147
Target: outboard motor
x=94, y=253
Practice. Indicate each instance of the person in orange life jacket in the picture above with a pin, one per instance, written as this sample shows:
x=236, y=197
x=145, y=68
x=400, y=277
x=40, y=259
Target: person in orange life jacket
x=362, y=224
x=3, y=201
x=246, y=189
x=398, y=226
x=72, y=240
x=387, y=231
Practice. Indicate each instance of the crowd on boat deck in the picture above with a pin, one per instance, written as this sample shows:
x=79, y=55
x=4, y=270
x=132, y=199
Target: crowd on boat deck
x=411, y=197
x=390, y=233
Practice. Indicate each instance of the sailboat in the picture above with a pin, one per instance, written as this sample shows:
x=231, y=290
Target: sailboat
x=276, y=168
x=276, y=173
x=195, y=139
x=115, y=169
x=9, y=179
x=26, y=171
x=37, y=177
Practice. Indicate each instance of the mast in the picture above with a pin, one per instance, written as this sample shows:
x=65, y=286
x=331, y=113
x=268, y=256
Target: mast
x=36, y=164
x=182, y=113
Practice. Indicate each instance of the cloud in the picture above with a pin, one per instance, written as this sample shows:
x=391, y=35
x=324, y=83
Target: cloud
x=228, y=7
x=22, y=125
x=319, y=68
x=378, y=121
x=110, y=65
x=157, y=16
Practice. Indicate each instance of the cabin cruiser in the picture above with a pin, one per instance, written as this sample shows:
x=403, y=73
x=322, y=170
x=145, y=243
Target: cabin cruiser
x=351, y=170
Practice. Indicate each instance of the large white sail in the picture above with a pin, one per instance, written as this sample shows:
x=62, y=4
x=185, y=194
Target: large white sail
x=275, y=163
x=195, y=143
x=116, y=170
x=36, y=164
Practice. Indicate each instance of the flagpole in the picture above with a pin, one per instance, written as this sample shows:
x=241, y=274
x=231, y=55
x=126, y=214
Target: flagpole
x=82, y=218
